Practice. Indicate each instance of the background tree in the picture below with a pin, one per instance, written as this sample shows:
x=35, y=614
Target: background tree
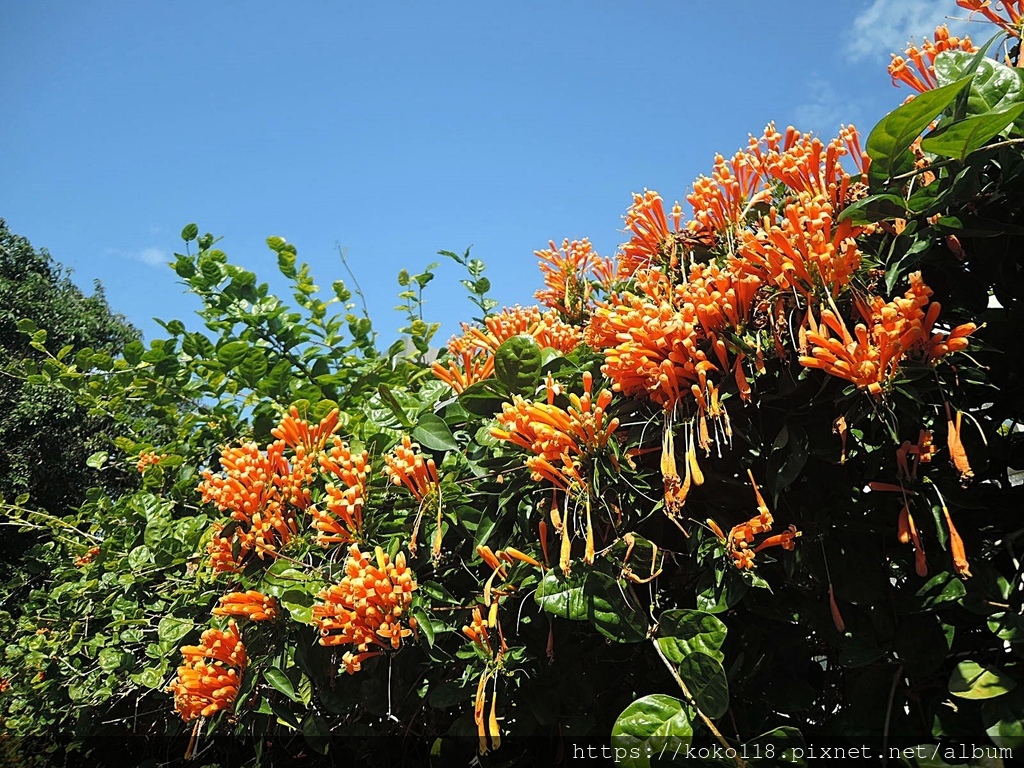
x=47, y=436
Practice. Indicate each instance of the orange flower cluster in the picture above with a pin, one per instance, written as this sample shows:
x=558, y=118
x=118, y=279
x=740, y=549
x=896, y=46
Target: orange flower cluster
x=559, y=439
x=650, y=342
x=923, y=58
x=208, y=681
x=807, y=166
x=1012, y=23
x=263, y=490
x=474, y=349
x=406, y=466
x=148, y=459
x=653, y=245
x=342, y=521
x=740, y=542
x=488, y=731
x=569, y=274
x=250, y=490
x=722, y=202
x=84, y=560
x=804, y=250
x=367, y=607
x=251, y=605
x=900, y=328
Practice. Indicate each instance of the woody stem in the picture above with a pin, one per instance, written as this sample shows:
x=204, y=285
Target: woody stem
x=740, y=763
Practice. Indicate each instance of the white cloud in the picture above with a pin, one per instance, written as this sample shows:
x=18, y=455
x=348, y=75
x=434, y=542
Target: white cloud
x=823, y=112
x=154, y=257
x=886, y=26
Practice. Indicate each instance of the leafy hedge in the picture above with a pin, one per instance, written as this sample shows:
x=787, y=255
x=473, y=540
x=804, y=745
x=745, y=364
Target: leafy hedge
x=750, y=486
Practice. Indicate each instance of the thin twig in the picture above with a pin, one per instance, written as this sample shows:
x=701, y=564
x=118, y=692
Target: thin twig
x=888, y=714
x=739, y=761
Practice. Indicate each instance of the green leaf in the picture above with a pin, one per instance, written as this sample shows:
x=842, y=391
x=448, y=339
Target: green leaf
x=110, y=659
x=970, y=680
x=706, y=679
x=317, y=733
x=433, y=433
x=517, y=364
x=97, y=460
x=651, y=726
x=232, y=353
x=26, y=325
x=253, y=366
x=563, y=595
x=683, y=631
x=483, y=398
x=961, y=138
x=279, y=681
x=190, y=233
x=171, y=629
x=299, y=605
x=276, y=243
x=889, y=141
x=994, y=87
x=393, y=405
x=612, y=610
x=875, y=208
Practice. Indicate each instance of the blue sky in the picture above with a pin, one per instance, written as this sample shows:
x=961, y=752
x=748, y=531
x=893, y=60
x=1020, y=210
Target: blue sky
x=395, y=129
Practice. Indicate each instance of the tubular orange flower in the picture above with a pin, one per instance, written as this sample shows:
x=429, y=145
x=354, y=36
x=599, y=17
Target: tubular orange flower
x=251, y=605
x=296, y=432
x=148, y=459
x=653, y=244
x=1012, y=23
x=472, y=353
x=208, y=680
x=957, y=454
x=921, y=76
x=833, y=606
x=466, y=369
x=368, y=606
x=741, y=540
x=804, y=250
x=559, y=438
x=405, y=466
x=342, y=521
x=257, y=488
x=722, y=202
x=568, y=271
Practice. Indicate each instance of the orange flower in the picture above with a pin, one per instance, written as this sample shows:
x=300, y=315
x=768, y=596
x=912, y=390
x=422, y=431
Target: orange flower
x=251, y=605
x=653, y=244
x=568, y=272
x=809, y=167
x=741, y=540
x=957, y=454
x=721, y=203
x=833, y=606
x=148, y=459
x=558, y=438
x=468, y=368
x=208, y=681
x=342, y=521
x=917, y=70
x=296, y=432
x=255, y=488
x=1012, y=23
x=473, y=352
x=804, y=249
x=406, y=466
x=368, y=606
x=652, y=342
x=901, y=327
